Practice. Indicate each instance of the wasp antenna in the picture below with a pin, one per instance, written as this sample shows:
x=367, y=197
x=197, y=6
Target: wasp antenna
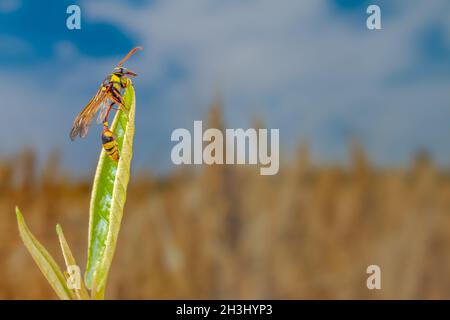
x=129, y=55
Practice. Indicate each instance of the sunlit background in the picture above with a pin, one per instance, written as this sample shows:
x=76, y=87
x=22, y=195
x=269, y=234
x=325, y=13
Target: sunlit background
x=364, y=119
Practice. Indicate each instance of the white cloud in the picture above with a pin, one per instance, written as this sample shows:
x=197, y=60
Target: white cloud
x=13, y=46
x=303, y=67
x=8, y=6
x=297, y=62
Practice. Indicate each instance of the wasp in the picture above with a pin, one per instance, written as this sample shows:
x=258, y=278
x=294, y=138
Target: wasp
x=108, y=95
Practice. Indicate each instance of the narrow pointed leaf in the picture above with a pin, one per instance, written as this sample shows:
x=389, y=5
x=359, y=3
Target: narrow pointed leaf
x=82, y=293
x=44, y=260
x=108, y=199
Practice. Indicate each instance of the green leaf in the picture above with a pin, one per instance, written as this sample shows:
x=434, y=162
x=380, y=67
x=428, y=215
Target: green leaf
x=108, y=199
x=82, y=293
x=44, y=260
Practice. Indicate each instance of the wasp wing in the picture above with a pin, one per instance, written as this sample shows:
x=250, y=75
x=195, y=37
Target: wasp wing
x=104, y=107
x=83, y=120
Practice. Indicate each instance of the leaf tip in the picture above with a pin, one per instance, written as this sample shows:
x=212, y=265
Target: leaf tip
x=20, y=219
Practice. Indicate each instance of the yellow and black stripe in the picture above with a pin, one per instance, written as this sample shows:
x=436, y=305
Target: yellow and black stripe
x=110, y=144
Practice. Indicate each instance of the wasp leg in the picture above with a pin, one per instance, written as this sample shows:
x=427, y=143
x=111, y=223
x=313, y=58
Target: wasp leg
x=118, y=96
x=118, y=100
x=123, y=108
x=119, y=108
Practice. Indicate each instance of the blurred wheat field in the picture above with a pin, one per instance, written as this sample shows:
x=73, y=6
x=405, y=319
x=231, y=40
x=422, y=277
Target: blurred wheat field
x=225, y=232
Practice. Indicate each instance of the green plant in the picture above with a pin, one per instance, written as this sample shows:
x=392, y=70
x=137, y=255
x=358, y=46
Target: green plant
x=106, y=210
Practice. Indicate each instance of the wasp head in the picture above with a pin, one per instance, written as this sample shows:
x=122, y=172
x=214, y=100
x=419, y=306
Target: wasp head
x=121, y=71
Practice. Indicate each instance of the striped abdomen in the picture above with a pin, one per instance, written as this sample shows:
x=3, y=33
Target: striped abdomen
x=110, y=144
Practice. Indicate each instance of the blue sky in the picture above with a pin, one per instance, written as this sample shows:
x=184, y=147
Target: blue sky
x=309, y=68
